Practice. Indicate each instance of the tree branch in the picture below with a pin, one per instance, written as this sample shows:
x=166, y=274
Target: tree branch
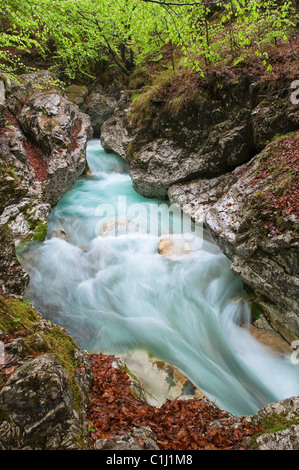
x=183, y=4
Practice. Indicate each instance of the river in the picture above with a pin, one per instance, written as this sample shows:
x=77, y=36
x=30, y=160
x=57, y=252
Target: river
x=110, y=288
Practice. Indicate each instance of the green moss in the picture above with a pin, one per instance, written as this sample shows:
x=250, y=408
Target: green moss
x=139, y=78
x=76, y=93
x=256, y=312
x=38, y=441
x=276, y=184
x=40, y=231
x=16, y=314
x=3, y=415
x=38, y=228
x=10, y=181
x=86, y=169
x=130, y=150
x=140, y=395
x=272, y=423
x=63, y=348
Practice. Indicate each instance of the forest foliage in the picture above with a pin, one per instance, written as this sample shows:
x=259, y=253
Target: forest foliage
x=123, y=33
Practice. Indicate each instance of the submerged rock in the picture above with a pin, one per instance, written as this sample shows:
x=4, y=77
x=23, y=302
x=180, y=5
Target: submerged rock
x=169, y=247
x=265, y=334
x=156, y=381
x=118, y=227
x=60, y=233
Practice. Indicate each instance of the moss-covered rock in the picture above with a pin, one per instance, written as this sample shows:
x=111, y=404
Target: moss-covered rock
x=279, y=426
x=44, y=382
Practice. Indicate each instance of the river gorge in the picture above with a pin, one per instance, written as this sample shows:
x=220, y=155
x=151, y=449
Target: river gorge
x=99, y=274
x=121, y=254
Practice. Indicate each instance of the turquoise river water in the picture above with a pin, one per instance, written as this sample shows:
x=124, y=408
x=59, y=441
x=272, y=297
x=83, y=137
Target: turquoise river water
x=113, y=292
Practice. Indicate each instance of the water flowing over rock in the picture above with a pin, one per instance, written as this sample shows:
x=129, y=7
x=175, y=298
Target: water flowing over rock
x=190, y=161
x=169, y=248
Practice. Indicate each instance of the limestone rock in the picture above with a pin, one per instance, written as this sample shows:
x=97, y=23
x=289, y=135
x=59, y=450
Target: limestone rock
x=45, y=383
x=141, y=438
x=38, y=404
x=158, y=381
x=225, y=126
x=116, y=132
x=208, y=140
x=2, y=92
x=267, y=119
x=284, y=417
x=196, y=197
x=13, y=279
x=43, y=151
x=270, y=338
x=280, y=440
x=76, y=94
x=60, y=233
x=99, y=107
x=61, y=132
x=266, y=262
x=15, y=172
x=118, y=227
x=164, y=162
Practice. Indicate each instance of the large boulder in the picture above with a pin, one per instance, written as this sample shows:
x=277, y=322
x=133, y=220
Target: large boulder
x=44, y=383
x=256, y=225
x=42, y=153
x=117, y=132
x=174, y=134
x=59, y=132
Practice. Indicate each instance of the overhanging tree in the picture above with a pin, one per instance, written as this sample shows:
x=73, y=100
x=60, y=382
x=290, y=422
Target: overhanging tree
x=76, y=33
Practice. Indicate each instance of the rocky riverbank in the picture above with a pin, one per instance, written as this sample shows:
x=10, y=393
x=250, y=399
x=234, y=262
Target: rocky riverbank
x=196, y=158
x=43, y=145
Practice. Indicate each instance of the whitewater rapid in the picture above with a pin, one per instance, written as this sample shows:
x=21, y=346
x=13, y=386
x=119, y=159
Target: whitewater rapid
x=114, y=292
